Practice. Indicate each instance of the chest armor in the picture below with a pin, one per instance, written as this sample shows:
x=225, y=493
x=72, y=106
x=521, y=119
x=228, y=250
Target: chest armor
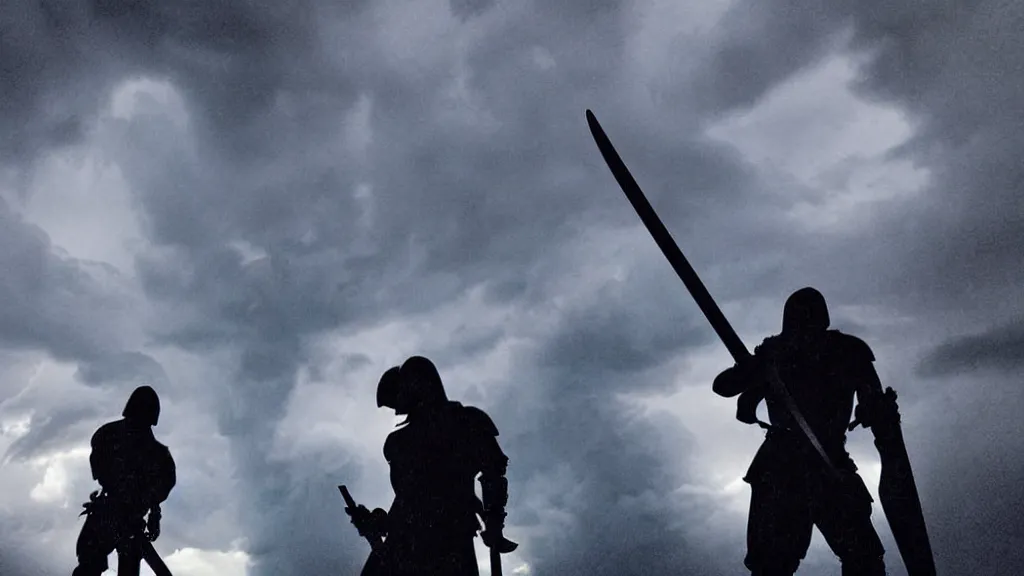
x=815, y=374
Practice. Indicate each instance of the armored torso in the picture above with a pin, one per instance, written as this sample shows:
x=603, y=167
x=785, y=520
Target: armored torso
x=131, y=465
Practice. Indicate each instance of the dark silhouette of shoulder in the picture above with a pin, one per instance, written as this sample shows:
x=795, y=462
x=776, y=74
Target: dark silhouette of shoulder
x=477, y=421
x=850, y=347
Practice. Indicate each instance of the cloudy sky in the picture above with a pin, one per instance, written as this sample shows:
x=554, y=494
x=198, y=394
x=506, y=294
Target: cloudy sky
x=258, y=206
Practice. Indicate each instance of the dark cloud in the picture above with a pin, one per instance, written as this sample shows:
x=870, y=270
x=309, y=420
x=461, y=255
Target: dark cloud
x=613, y=469
x=50, y=432
x=466, y=205
x=1001, y=348
x=133, y=368
x=937, y=63
x=478, y=169
x=760, y=45
x=612, y=472
x=48, y=301
x=46, y=47
x=622, y=332
x=466, y=9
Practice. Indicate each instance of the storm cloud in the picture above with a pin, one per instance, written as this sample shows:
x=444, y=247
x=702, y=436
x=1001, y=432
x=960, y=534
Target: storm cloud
x=322, y=189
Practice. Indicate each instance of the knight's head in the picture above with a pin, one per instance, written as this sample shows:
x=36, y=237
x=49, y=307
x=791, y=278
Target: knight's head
x=805, y=313
x=420, y=385
x=143, y=407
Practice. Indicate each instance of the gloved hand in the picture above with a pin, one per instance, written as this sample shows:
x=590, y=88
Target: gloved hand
x=89, y=506
x=496, y=540
x=879, y=412
x=368, y=523
x=492, y=535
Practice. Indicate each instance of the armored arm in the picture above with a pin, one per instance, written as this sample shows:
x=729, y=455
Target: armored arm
x=100, y=457
x=166, y=477
x=162, y=481
x=746, y=380
x=746, y=374
x=494, y=486
x=876, y=408
x=732, y=381
x=493, y=465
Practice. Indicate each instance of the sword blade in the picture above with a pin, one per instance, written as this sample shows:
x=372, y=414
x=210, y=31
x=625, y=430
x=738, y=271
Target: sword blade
x=690, y=279
x=495, y=562
x=153, y=559
x=668, y=246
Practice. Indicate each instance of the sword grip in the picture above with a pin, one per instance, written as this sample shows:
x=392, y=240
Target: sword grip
x=348, y=497
x=375, y=541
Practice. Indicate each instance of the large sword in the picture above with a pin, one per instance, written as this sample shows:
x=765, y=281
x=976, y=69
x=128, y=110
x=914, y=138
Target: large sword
x=693, y=283
x=897, y=489
x=153, y=559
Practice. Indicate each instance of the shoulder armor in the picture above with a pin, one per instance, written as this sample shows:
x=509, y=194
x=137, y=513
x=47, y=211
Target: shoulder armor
x=479, y=421
x=767, y=346
x=856, y=348
x=165, y=452
x=104, y=433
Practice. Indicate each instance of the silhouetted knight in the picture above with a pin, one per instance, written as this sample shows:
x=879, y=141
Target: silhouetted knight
x=136, y=474
x=435, y=456
x=790, y=489
x=795, y=482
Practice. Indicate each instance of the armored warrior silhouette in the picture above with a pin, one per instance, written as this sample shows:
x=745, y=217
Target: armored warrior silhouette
x=790, y=489
x=435, y=456
x=136, y=474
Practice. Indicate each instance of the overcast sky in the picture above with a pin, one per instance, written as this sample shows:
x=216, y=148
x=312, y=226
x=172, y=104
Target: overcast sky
x=257, y=207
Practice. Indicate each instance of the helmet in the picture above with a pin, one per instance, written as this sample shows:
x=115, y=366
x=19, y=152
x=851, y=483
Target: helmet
x=143, y=406
x=387, y=388
x=420, y=384
x=805, y=311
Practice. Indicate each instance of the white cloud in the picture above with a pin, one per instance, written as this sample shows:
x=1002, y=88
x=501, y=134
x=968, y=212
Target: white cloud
x=814, y=131
x=58, y=468
x=197, y=562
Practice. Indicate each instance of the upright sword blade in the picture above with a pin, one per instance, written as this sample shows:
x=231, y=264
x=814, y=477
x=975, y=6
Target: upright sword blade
x=693, y=283
x=495, y=562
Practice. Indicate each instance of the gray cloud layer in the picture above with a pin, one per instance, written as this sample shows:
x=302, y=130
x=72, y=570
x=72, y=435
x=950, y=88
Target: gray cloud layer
x=479, y=169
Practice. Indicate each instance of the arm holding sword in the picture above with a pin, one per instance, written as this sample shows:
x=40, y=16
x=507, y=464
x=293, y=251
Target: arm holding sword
x=370, y=525
x=745, y=381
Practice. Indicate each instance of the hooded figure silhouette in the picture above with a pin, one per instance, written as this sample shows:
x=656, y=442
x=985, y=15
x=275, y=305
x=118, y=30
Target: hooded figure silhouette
x=435, y=456
x=136, y=474
x=791, y=491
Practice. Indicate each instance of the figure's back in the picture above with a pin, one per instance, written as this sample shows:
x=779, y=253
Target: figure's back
x=434, y=462
x=817, y=373
x=131, y=464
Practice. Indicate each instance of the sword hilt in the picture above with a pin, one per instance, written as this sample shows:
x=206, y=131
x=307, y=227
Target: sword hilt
x=352, y=508
x=348, y=497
